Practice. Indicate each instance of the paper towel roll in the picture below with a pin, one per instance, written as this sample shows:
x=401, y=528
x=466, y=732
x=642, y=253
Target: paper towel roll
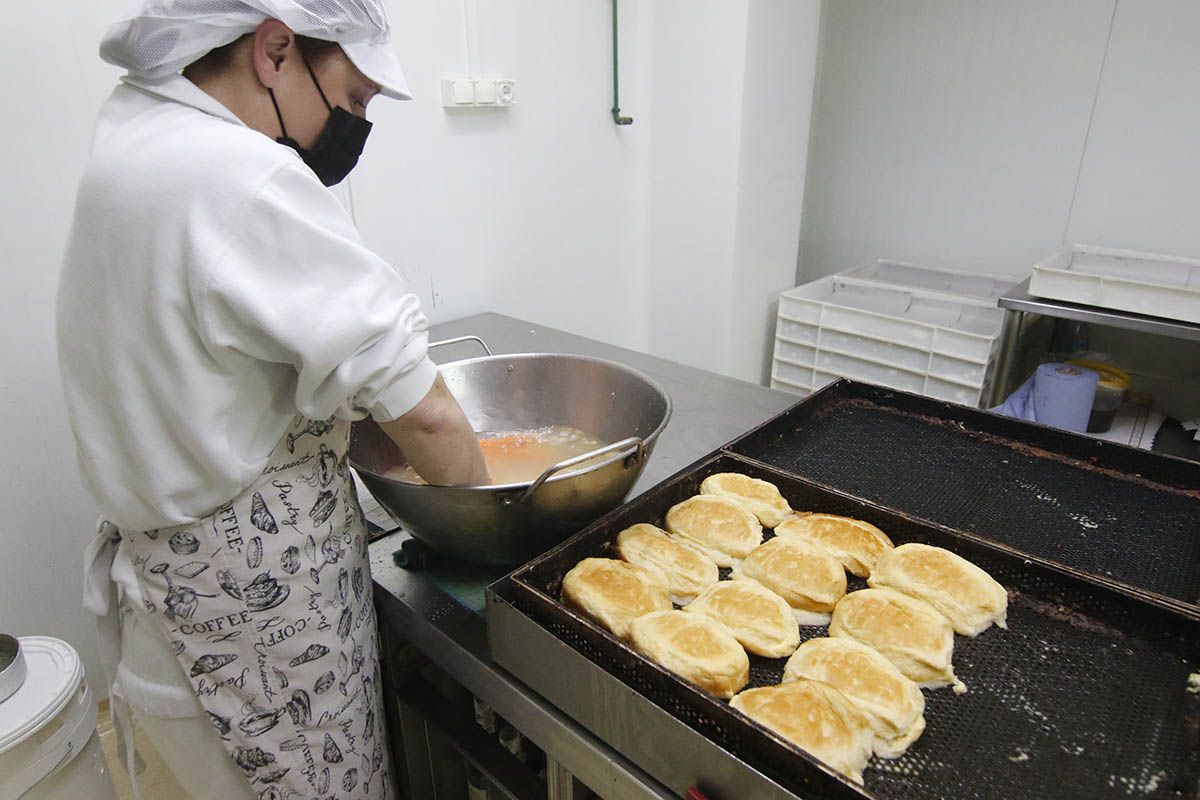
x=1063, y=395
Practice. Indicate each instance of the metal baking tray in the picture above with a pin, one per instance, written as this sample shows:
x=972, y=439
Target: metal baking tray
x=1084, y=696
x=1128, y=517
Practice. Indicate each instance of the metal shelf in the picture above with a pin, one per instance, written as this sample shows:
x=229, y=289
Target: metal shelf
x=1019, y=299
x=1017, y=302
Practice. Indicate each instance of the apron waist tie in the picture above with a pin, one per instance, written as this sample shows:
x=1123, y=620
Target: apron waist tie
x=100, y=596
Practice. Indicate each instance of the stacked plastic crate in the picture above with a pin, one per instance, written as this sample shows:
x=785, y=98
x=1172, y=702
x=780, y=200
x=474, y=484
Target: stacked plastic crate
x=1125, y=280
x=930, y=331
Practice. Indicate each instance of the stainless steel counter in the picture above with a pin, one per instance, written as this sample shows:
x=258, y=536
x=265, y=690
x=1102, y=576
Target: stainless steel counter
x=709, y=410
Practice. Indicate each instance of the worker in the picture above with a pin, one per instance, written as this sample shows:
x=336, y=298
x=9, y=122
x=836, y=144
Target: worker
x=220, y=325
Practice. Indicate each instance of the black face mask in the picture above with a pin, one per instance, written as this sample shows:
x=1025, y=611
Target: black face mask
x=339, y=145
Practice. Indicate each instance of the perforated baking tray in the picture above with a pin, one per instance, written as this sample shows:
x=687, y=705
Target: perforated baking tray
x=1125, y=516
x=1084, y=696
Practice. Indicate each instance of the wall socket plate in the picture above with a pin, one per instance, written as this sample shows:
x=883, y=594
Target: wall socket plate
x=478, y=92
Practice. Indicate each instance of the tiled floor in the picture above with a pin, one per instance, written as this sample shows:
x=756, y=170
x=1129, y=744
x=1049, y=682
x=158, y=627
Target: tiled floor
x=156, y=781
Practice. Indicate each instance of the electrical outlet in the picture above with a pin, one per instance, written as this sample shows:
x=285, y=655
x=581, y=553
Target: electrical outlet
x=477, y=93
x=505, y=90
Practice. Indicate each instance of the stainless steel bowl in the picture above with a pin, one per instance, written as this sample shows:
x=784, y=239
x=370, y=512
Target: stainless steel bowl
x=510, y=524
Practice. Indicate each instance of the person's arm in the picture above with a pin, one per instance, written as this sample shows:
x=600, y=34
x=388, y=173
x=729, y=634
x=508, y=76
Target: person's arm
x=292, y=284
x=438, y=442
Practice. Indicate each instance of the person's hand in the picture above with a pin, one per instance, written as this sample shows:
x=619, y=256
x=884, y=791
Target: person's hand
x=438, y=441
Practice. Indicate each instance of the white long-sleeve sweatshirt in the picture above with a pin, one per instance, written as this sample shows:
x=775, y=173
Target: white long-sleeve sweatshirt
x=212, y=290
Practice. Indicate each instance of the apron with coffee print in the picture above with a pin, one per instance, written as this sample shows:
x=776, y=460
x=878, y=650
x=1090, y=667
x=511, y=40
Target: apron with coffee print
x=267, y=605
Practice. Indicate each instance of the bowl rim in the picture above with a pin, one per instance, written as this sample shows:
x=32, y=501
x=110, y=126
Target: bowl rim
x=648, y=440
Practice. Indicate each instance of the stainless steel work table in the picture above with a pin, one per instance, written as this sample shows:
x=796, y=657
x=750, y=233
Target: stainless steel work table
x=709, y=410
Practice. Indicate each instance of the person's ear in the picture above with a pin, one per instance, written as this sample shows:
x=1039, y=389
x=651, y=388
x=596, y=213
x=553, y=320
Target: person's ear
x=274, y=44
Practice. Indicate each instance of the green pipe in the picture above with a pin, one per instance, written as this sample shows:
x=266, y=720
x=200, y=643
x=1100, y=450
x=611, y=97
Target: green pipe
x=616, y=108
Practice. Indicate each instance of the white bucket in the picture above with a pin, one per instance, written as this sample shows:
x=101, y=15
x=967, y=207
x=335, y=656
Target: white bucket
x=48, y=742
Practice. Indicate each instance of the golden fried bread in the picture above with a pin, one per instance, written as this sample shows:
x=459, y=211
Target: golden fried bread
x=717, y=526
x=614, y=593
x=966, y=595
x=757, y=617
x=907, y=632
x=695, y=648
x=815, y=717
x=760, y=498
x=685, y=570
x=857, y=544
x=891, y=702
x=806, y=576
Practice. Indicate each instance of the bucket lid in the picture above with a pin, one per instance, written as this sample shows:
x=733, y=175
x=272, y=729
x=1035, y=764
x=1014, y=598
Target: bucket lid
x=53, y=674
x=1111, y=377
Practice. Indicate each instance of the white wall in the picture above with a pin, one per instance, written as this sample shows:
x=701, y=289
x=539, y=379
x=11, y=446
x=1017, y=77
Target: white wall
x=779, y=82
x=55, y=86
x=533, y=210
x=732, y=96
x=1139, y=184
x=699, y=64
x=667, y=236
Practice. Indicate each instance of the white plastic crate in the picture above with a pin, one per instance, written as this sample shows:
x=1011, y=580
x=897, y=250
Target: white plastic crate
x=796, y=331
x=957, y=370
x=876, y=350
x=1144, y=283
x=962, y=327
x=953, y=392
x=924, y=342
x=796, y=375
x=941, y=390
x=932, y=279
x=869, y=371
x=802, y=379
x=810, y=384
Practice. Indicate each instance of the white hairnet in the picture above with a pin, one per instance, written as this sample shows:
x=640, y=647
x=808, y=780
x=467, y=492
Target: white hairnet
x=161, y=37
